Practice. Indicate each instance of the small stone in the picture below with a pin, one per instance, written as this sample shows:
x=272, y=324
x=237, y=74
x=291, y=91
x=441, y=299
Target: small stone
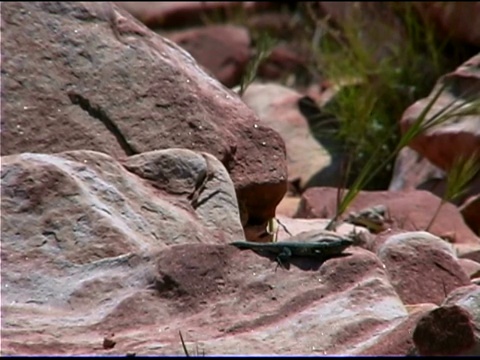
x=108, y=342
x=447, y=330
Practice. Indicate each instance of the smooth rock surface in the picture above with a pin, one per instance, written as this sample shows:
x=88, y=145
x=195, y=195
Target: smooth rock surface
x=421, y=267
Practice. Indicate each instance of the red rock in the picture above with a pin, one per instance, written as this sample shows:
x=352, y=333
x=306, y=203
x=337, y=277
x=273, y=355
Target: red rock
x=282, y=62
x=421, y=267
x=397, y=341
x=224, y=50
x=221, y=298
x=102, y=81
x=58, y=202
x=174, y=13
x=450, y=17
x=464, y=296
x=447, y=331
x=279, y=108
x=275, y=23
x=410, y=210
x=461, y=133
x=413, y=171
x=201, y=178
x=108, y=342
x=296, y=226
x=472, y=254
x=470, y=267
x=470, y=208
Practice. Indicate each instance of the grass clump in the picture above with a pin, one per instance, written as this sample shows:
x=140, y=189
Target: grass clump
x=463, y=171
x=378, y=79
x=382, y=79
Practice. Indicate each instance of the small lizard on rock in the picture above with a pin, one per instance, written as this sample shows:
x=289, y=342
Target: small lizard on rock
x=373, y=218
x=319, y=244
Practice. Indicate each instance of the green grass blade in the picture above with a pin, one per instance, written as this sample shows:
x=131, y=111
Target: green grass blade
x=460, y=175
x=263, y=49
x=459, y=178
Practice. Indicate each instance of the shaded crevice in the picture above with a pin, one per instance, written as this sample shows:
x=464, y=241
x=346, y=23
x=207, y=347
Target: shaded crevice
x=98, y=113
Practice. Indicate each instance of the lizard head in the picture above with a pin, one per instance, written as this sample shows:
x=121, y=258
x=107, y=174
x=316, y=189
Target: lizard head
x=372, y=218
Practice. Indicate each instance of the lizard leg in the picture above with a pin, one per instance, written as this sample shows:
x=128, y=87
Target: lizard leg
x=284, y=256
